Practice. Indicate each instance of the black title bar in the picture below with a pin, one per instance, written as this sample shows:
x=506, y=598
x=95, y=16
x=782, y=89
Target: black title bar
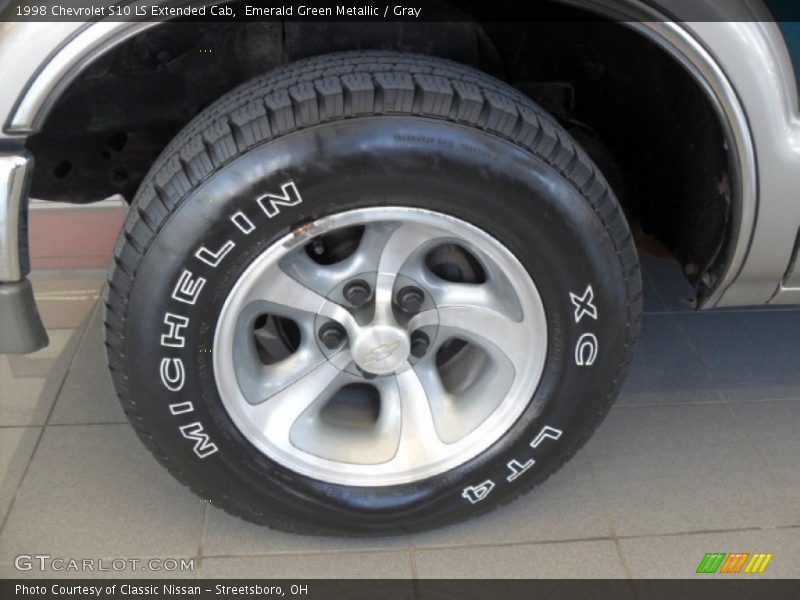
x=425, y=589
x=407, y=10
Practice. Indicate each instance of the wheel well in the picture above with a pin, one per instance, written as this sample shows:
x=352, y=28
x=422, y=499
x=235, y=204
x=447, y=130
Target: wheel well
x=646, y=122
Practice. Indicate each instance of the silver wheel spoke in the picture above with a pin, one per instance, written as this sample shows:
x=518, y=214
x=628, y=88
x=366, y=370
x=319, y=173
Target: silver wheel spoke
x=360, y=445
x=269, y=380
x=496, y=293
x=275, y=415
x=284, y=294
x=342, y=316
x=495, y=333
x=384, y=288
x=281, y=294
x=402, y=244
x=322, y=278
x=419, y=441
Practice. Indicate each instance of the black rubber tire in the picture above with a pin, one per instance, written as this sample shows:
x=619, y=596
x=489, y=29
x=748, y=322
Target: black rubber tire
x=354, y=130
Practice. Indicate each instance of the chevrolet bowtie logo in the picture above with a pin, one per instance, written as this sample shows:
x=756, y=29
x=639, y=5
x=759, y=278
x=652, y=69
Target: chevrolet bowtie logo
x=380, y=352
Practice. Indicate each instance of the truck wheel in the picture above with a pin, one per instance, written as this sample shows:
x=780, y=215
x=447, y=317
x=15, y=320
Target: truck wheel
x=370, y=293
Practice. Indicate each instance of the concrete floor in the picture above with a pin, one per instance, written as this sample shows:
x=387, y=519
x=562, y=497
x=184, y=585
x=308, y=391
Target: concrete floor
x=699, y=454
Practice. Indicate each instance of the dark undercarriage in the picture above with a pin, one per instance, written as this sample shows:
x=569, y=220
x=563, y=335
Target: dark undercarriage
x=643, y=120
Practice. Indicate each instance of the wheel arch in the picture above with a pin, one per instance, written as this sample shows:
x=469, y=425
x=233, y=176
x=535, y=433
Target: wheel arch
x=714, y=267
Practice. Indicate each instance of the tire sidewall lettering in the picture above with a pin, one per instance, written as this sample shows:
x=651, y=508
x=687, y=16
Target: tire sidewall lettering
x=584, y=311
x=187, y=291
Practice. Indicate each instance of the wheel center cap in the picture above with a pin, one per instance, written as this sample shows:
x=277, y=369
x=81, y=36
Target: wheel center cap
x=381, y=349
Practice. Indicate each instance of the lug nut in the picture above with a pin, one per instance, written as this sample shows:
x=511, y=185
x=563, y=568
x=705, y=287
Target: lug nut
x=357, y=292
x=410, y=299
x=419, y=344
x=332, y=335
